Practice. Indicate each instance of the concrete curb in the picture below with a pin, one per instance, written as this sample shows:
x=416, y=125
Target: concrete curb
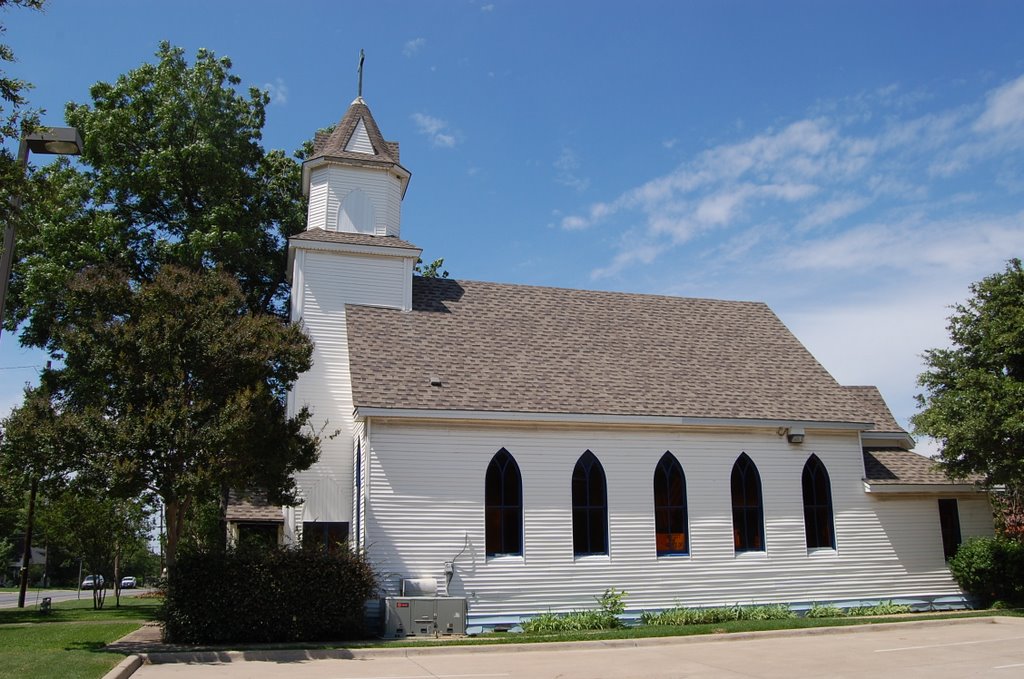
x=125, y=668
x=295, y=655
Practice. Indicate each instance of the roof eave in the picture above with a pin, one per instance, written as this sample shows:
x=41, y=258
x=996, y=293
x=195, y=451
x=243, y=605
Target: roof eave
x=901, y=437
x=889, y=488
x=363, y=412
x=311, y=164
x=351, y=248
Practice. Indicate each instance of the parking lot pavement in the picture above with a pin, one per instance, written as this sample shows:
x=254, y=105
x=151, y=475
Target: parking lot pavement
x=979, y=647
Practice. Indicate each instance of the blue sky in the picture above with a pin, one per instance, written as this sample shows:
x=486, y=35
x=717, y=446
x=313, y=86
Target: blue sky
x=856, y=165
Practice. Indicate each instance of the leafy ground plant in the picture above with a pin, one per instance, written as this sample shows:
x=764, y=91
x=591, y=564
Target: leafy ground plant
x=824, y=611
x=882, y=608
x=705, y=616
x=611, y=605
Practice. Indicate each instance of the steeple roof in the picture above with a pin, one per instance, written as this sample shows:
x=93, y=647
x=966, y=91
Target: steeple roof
x=338, y=143
x=356, y=140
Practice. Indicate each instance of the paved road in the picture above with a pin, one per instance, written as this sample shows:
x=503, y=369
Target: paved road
x=10, y=599
x=938, y=650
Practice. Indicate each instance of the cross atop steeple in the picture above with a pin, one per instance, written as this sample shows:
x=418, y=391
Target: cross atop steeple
x=362, y=57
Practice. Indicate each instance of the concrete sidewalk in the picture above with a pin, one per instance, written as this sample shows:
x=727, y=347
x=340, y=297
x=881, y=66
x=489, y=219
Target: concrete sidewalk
x=940, y=649
x=150, y=653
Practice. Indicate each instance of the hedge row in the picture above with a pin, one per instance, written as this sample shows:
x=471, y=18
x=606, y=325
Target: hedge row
x=990, y=569
x=267, y=595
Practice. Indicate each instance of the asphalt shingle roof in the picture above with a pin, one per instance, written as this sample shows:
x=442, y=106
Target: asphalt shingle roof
x=333, y=144
x=352, y=238
x=499, y=347
x=252, y=508
x=894, y=466
x=876, y=410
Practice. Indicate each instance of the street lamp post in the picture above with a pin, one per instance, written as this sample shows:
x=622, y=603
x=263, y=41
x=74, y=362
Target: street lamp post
x=65, y=141
x=54, y=140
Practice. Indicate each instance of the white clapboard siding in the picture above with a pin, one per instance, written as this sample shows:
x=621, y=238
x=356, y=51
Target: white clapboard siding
x=330, y=185
x=425, y=498
x=330, y=280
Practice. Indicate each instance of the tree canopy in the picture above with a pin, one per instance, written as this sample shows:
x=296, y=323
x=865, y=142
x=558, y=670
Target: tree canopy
x=175, y=388
x=973, y=400
x=175, y=173
x=153, y=272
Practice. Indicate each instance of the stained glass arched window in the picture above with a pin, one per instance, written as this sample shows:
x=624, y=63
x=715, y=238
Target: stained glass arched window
x=817, y=490
x=747, y=506
x=589, y=507
x=503, y=501
x=670, y=520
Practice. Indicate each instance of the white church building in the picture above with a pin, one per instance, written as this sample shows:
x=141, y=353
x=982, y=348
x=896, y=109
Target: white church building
x=529, y=447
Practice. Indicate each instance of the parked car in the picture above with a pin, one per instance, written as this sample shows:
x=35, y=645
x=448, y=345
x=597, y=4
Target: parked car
x=128, y=582
x=93, y=582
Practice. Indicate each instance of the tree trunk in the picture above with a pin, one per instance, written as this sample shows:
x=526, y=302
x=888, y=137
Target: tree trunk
x=222, y=534
x=175, y=512
x=27, y=554
x=117, y=576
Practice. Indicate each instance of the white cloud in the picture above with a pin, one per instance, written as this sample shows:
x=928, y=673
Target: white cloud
x=1004, y=108
x=574, y=223
x=831, y=212
x=413, y=46
x=435, y=129
x=277, y=90
x=489, y=7
x=814, y=174
x=566, y=166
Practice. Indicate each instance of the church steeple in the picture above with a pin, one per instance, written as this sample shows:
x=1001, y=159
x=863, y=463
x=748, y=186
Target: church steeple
x=353, y=178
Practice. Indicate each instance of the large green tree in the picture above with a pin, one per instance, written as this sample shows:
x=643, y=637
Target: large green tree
x=35, y=453
x=103, y=530
x=174, y=173
x=973, y=400
x=174, y=387
x=155, y=276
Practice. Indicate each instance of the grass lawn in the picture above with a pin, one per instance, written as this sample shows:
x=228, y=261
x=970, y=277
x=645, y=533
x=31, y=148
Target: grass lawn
x=67, y=642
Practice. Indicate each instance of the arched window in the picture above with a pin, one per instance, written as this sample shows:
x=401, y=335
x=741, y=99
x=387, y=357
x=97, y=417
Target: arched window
x=356, y=213
x=670, y=523
x=818, y=505
x=589, y=507
x=747, y=507
x=503, y=505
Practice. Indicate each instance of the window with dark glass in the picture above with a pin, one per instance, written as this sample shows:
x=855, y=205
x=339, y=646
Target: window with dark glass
x=258, y=534
x=817, y=489
x=949, y=521
x=589, y=507
x=747, y=507
x=670, y=521
x=503, y=501
x=328, y=536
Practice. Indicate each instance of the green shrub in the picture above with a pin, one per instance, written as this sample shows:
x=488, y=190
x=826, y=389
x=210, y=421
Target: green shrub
x=708, y=616
x=883, y=608
x=611, y=605
x=770, y=612
x=824, y=611
x=990, y=569
x=267, y=595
